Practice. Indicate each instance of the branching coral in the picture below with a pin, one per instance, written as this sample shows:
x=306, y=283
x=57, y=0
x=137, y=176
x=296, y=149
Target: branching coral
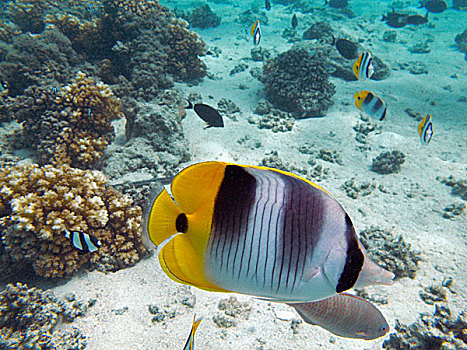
x=28, y=317
x=185, y=47
x=37, y=204
x=72, y=127
x=299, y=83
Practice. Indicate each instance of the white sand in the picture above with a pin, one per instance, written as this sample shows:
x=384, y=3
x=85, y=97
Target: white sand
x=418, y=218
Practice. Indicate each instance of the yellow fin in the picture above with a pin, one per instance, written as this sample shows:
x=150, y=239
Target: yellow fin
x=180, y=261
x=356, y=66
x=162, y=218
x=253, y=27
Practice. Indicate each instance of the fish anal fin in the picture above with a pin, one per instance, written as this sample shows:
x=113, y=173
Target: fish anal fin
x=181, y=262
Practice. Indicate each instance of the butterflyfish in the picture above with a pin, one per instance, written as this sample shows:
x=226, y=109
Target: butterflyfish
x=258, y=231
x=190, y=343
x=345, y=315
x=83, y=241
x=208, y=114
x=363, y=67
x=370, y=104
x=425, y=130
x=256, y=32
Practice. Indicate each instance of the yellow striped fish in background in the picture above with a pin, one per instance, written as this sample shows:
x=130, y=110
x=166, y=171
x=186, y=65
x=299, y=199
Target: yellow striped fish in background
x=370, y=104
x=190, y=343
x=258, y=231
x=345, y=315
x=425, y=130
x=256, y=32
x=363, y=66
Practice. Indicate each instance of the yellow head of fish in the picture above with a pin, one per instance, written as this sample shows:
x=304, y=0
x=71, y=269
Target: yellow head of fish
x=359, y=97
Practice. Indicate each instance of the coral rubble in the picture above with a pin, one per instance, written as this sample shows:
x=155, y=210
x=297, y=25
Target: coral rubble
x=461, y=42
x=388, y=162
x=37, y=204
x=202, y=17
x=439, y=331
x=28, y=318
x=391, y=252
x=297, y=82
x=459, y=187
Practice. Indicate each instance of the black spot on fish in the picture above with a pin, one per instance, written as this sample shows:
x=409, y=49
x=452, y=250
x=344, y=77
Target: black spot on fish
x=210, y=115
x=181, y=223
x=347, y=49
x=267, y=4
x=294, y=21
x=353, y=262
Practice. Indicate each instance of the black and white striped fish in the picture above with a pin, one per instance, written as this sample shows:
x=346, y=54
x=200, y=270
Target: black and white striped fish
x=370, y=104
x=258, y=231
x=83, y=241
x=363, y=66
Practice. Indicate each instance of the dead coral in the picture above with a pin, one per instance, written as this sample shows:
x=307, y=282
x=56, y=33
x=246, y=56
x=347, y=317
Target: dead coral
x=37, y=204
x=391, y=252
x=388, y=162
x=459, y=187
x=185, y=48
x=233, y=307
x=28, y=318
x=438, y=332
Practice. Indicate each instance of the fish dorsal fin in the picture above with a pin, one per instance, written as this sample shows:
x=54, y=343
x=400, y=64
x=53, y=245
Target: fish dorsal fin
x=422, y=123
x=253, y=27
x=182, y=263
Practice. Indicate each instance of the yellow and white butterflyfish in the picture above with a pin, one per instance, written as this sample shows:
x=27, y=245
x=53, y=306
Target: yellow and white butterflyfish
x=425, y=130
x=190, y=342
x=363, y=66
x=256, y=32
x=370, y=104
x=258, y=231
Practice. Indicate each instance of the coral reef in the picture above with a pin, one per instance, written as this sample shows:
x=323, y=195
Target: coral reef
x=461, y=42
x=233, y=307
x=391, y=252
x=276, y=121
x=37, y=204
x=331, y=156
x=28, y=14
x=318, y=30
x=438, y=331
x=202, y=17
x=71, y=126
x=388, y=162
x=297, y=82
x=29, y=316
x=260, y=54
x=459, y=187
x=353, y=189
x=241, y=67
x=453, y=210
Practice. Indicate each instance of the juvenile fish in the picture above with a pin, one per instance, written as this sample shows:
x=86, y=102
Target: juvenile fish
x=83, y=241
x=345, y=315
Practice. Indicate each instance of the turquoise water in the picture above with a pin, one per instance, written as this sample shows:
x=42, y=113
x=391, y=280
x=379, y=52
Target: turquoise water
x=103, y=102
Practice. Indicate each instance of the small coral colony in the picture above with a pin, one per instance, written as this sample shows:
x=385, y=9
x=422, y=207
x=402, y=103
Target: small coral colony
x=255, y=230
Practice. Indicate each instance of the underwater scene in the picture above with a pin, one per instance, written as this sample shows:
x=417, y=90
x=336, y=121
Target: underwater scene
x=233, y=174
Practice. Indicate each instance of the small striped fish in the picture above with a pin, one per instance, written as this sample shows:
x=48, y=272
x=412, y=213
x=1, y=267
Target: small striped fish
x=256, y=32
x=370, y=104
x=83, y=241
x=190, y=343
x=363, y=66
x=258, y=231
x=425, y=130
x=345, y=315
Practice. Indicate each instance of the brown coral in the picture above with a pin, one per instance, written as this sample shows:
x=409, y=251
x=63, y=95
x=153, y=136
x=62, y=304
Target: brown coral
x=72, y=127
x=185, y=47
x=37, y=204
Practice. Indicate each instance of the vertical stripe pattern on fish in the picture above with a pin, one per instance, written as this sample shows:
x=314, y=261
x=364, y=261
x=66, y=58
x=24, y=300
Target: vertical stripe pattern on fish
x=370, y=104
x=83, y=241
x=363, y=66
x=345, y=315
x=425, y=130
x=258, y=231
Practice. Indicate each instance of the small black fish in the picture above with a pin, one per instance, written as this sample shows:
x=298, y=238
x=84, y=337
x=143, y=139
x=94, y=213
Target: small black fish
x=434, y=6
x=395, y=20
x=210, y=115
x=417, y=19
x=83, y=241
x=267, y=4
x=294, y=21
x=338, y=4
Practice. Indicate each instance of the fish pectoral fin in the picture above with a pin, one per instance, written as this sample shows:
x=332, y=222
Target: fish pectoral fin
x=181, y=262
x=311, y=273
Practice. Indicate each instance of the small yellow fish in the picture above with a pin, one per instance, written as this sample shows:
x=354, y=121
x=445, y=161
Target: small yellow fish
x=258, y=231
x=363, y=66
x=190, y=343
x=425, y=130
x=370, y=104
x=256, y=32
